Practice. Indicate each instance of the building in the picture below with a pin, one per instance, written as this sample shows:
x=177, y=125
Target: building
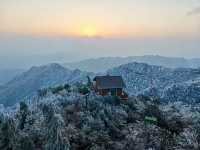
x=109, y=85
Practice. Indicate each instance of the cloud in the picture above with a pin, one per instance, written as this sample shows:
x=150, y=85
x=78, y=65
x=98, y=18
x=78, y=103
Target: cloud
x=195, y=11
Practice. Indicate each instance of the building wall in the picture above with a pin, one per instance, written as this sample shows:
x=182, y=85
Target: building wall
x=104, y=92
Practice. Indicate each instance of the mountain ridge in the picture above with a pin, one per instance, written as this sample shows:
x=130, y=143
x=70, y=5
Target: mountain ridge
x=102, y=64
x=140, y=78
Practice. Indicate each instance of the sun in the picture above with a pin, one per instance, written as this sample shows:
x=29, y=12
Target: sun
x=89, y=31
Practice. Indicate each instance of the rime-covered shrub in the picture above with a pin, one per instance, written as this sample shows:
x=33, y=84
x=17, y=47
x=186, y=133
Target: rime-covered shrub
x=90, y=122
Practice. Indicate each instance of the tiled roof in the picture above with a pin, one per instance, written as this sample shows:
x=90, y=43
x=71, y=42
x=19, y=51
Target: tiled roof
x=108, y=82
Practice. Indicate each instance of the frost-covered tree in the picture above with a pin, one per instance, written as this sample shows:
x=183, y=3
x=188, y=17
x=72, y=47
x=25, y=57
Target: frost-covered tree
x=22, y=116
x=7, y=133
x=54, y=127
x=63, y=122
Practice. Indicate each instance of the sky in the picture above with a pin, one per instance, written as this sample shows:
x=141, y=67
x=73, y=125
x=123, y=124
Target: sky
x=40, y=31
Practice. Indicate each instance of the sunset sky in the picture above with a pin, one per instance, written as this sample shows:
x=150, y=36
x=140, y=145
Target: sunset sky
x=168, y=21
x=100, y=17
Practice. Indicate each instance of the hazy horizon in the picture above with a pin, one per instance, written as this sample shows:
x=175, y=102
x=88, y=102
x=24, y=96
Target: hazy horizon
x=26, y=51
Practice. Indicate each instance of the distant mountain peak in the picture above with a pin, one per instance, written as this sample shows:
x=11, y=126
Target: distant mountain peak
x=46, y=67
x=104, y=63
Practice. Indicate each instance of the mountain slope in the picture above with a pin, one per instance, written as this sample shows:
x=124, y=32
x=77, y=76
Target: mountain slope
x=185, y=92
x=141, y=78
x=105, y=63
x=29, y=82
x=7, y=74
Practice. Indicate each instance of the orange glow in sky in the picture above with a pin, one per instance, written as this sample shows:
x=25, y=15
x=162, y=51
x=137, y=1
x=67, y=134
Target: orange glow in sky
x=93, y=18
